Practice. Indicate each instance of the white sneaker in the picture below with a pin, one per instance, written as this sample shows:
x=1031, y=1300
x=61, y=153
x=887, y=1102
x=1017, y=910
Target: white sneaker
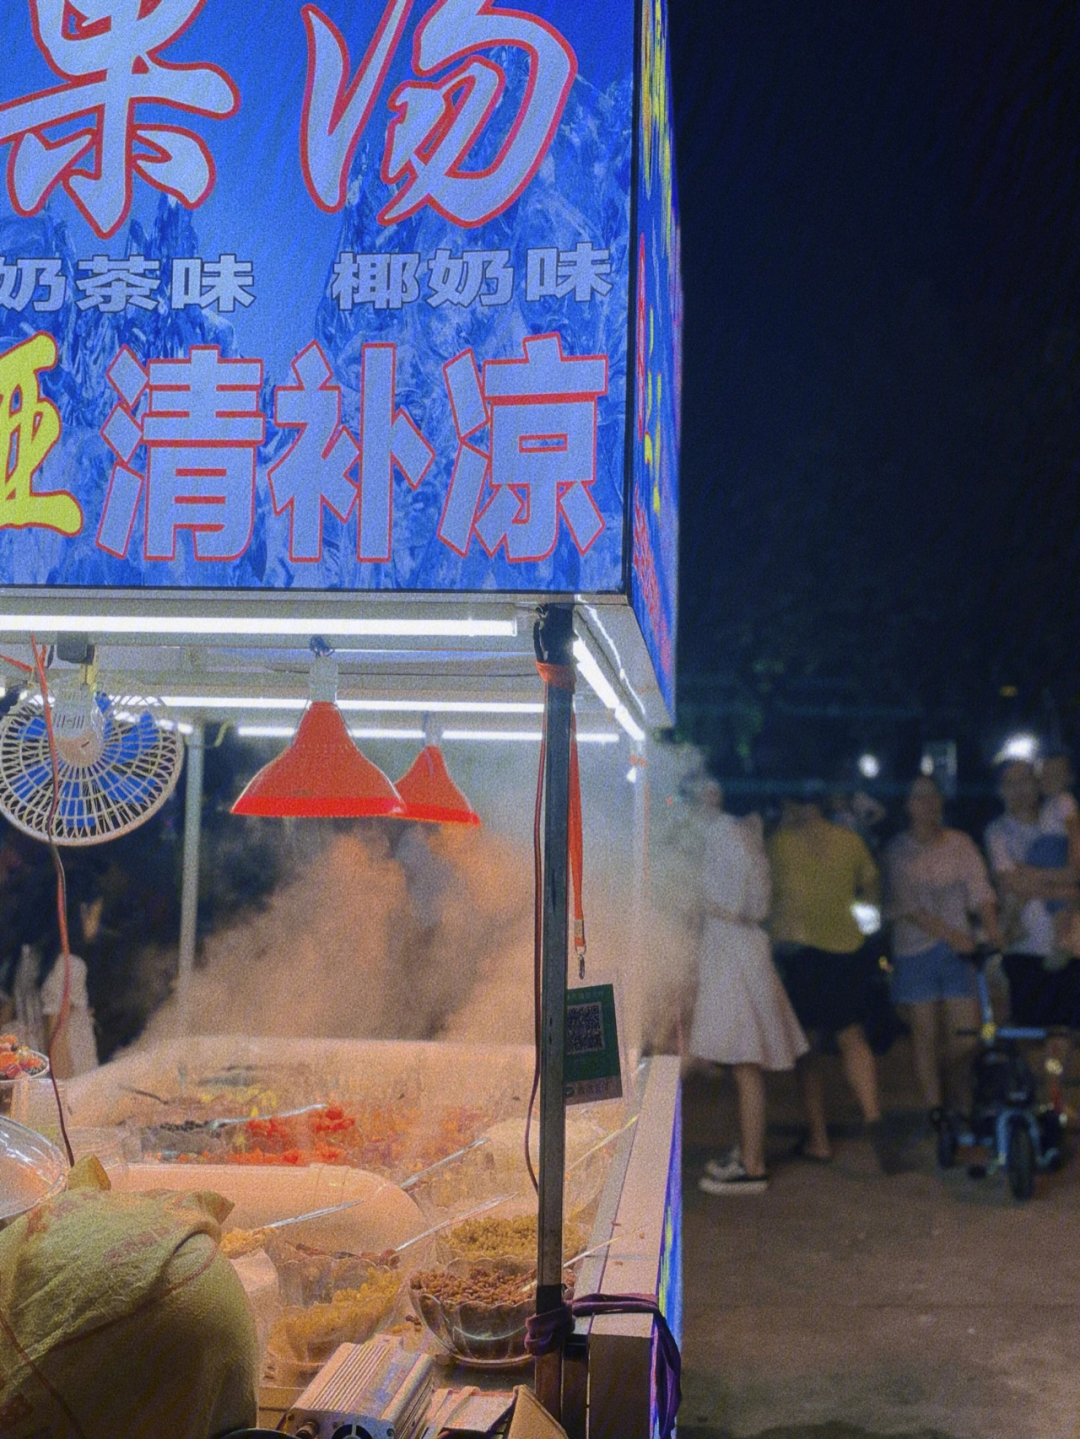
x=725, y=1163
x=737, y=1182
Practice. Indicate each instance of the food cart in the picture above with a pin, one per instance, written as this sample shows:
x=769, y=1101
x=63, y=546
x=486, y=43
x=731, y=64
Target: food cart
x=382, y=356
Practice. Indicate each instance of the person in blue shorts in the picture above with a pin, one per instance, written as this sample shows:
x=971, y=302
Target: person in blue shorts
x=936, y=883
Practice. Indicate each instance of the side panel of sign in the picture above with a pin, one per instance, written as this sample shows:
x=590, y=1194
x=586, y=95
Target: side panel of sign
x=669, y=1288
x=654, y=519
x=337, y=300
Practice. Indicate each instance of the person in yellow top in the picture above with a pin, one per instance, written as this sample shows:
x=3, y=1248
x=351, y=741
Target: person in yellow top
x=819, y=870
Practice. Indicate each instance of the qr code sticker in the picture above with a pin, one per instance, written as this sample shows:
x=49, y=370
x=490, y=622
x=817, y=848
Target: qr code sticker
x=585, y=1029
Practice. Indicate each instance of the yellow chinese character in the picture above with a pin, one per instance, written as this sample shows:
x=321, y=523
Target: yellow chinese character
x=29, y=428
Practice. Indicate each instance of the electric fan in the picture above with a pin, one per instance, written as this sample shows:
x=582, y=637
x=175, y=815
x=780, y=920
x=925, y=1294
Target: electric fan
x=117, y=765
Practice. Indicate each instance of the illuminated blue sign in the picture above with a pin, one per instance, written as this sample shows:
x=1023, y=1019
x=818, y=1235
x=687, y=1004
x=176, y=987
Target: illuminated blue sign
x=658, y=357
x=669, y=1285
x=334, y=298
x=315, y=300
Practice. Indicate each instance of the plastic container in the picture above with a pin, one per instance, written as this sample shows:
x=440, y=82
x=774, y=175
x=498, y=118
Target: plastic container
x=32, y=1171
x=382, y=1218
x=14, y=1093
x=34, y=1105
x=106, y=1145
x=347, y=1309
x=476, y=1330
x=490, y=1237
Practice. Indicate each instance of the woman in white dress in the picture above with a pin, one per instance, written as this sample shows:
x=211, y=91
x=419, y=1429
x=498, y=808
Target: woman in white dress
x=75, y=1050
x=742, y=1016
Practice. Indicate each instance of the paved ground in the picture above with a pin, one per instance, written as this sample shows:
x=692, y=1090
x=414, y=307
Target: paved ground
x=845, y=1305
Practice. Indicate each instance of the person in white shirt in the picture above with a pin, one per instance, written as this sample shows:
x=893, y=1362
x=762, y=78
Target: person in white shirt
x=1044, y=987
x=1059, y=820
x=742, y=1016
x=1059, y=812
x=75, y=1049
x=935, y=883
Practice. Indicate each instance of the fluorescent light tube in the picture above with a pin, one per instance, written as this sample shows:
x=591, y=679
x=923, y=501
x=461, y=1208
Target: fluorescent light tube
x=280, y=731
x=511, y=736
x=594, y=675
x=294, y=702
x=263, y=625
x=376, y=733
x=521, y=736
x=457, y=707
x=232, y=702
x=624, y=718
x=605, y=691
x=271, y=731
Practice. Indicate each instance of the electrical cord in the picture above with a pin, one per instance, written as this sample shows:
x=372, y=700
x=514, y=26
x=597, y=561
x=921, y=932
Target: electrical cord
x=538, y=932
x=61, y=892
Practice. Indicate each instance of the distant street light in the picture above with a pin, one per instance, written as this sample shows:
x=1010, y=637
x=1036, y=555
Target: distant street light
x=869, y=766
x=867, y=917
x=1019, y=746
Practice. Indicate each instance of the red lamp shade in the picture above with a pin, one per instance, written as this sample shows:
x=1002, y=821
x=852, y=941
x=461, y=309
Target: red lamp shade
x=322, y=774
x=430, y=794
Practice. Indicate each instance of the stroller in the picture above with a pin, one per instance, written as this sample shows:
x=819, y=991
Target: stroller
x=1021, y=1135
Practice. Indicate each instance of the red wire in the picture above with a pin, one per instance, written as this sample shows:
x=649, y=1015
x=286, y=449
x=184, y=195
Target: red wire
x=538, y=945
x=61, y=892
x=576, y=847
x=18, y=664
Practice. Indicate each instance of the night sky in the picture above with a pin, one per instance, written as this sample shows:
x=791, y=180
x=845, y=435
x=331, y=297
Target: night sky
x=881, y=218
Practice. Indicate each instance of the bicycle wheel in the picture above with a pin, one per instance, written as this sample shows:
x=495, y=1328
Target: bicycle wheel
x=1020, y=1160
x=946, y=1144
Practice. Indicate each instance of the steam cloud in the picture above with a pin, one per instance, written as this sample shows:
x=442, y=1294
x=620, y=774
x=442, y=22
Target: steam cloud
x=422, y=932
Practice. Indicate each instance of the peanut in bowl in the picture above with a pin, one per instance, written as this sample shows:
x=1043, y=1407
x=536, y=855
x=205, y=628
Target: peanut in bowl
x=478, y=1308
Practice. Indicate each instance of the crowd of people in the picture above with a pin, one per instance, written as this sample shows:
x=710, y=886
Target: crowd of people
x=788, y=972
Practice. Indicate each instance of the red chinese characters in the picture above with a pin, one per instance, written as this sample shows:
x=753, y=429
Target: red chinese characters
x=201, y=428
x=440, y=116
x=542, y=459
x=316, y=470
x=87, y=134
x=107, y=54
x=525, y=462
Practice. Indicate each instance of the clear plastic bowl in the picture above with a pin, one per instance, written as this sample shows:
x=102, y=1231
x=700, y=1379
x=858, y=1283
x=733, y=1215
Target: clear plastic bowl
x=107, y=1147
x=352, y=1302
x=13, y=1092
x=504, y=1237
x=473, y=1330
x=32, y=1170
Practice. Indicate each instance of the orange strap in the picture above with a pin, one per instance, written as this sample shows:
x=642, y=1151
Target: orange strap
x=576, y=846
x=558, y=677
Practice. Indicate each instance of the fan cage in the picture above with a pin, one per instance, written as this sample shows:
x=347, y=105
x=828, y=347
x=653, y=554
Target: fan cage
x=125, y=786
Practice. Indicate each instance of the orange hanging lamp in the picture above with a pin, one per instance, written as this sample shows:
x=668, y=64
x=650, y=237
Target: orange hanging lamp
x=430, y=794
x=322, y=774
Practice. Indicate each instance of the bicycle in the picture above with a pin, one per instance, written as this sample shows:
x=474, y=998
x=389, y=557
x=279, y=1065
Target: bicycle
x=1022, y=1136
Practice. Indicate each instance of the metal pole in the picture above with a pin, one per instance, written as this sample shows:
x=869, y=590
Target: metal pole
x=189, y=890
x=635, y=1015
x=554, y=643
